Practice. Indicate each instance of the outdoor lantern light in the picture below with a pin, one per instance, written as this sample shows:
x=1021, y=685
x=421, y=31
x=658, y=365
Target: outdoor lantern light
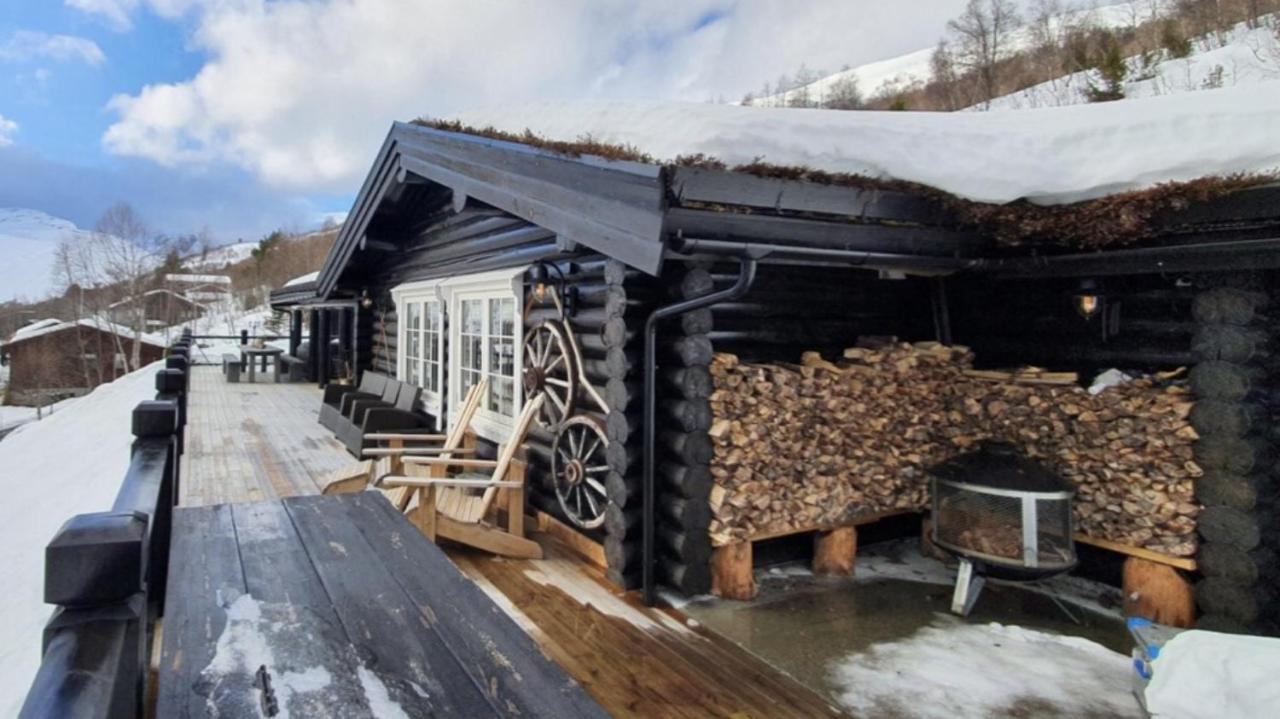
x=365, y=300
x=538, y=274
x=1088, y=299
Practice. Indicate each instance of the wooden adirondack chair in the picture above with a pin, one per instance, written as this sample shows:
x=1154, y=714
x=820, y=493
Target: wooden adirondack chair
x=384, y=461
x=456, y=507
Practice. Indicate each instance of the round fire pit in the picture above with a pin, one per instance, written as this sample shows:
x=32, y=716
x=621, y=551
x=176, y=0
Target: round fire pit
x=1004, y=515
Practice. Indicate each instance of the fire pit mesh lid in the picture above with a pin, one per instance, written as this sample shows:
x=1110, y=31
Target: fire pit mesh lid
x=1000, y=465
x=973, y=522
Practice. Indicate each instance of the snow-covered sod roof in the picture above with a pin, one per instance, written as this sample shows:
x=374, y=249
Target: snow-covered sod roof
x=199, y=279
x=47, y=327
x=1048, y=156
x=303, y=279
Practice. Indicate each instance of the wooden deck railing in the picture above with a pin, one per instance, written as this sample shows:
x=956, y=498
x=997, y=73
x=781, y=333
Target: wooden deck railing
x=105, y=572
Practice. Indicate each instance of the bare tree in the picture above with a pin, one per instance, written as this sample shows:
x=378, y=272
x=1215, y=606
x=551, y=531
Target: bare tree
x=982, y=38
x=128, y=255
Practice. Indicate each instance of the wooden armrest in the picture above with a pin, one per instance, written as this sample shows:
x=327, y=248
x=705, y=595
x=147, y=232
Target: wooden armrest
x=415, y=451
x=408, y=436
x=417, y=482
x=447, y=461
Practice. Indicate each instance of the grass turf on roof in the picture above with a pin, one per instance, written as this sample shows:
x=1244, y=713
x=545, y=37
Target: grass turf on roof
x=1115, y=220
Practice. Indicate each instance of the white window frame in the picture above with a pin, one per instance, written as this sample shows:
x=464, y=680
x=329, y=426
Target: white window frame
x=423, y=294
x=452, y=291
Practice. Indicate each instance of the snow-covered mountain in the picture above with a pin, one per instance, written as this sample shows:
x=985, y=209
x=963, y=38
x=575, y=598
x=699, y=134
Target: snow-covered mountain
x=1240, y=56
x=28, y=239
x=884, y=77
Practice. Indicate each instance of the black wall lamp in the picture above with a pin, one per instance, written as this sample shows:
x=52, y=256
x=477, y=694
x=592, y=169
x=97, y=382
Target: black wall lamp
x=1088, y=299
x=540, y=275
x=365, y=300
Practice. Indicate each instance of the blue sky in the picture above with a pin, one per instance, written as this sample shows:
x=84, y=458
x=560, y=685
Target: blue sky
x=240, y=116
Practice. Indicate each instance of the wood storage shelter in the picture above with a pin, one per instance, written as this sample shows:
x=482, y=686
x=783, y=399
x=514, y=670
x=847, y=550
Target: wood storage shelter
x=470, y=256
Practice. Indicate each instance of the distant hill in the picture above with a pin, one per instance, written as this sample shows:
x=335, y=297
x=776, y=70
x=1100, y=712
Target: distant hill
x=884, y=78
x=1158, y=48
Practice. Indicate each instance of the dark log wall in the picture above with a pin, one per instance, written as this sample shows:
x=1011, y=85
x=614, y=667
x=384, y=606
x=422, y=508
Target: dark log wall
x=1236, y=414
x=606, y=321
x=789, y=310
x=1224, y=329
x=1011, y=323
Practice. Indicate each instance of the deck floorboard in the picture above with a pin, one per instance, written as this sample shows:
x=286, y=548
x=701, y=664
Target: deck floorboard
x=250, y=443
x=254, y=442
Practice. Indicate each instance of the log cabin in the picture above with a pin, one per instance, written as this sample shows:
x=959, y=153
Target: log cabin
x=52, y=359
x=683, y=318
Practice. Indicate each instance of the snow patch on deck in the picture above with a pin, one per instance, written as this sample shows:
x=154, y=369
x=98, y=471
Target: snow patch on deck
x=309, y=667
x=952, y=670
x=568, y=578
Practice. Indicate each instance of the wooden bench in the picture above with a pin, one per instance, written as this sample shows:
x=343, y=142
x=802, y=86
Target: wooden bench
x=345, y=604
x=293, y=369
x=231, y=367
x=835, y=548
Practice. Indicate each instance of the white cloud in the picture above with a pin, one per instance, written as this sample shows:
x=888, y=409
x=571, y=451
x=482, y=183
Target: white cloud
x=301, y=93
x=27, y=45
x=115, y=13
x=8, y=128
x=118, y=14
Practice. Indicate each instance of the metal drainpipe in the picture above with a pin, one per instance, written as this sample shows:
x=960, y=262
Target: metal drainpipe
x=746, y=276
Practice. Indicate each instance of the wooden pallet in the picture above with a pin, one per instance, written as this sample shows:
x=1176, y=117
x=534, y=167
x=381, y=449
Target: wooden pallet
x=1154, y=584
x=835, y=549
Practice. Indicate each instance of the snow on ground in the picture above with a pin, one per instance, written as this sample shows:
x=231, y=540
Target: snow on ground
x=1050, y=156
x=952, y=670
x=11, y=417
x=69, y=463
x=1242, y=56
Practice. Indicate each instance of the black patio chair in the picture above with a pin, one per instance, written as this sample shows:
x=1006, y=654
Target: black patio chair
x=338, y=397
x=375, y=419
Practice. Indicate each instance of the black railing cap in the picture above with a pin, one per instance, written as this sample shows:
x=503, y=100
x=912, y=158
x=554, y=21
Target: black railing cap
x=170, y=380
x=155, y=418
x=96, y=558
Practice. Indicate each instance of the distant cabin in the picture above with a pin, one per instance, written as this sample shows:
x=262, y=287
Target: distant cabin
x=52, y=359
x=156, y=309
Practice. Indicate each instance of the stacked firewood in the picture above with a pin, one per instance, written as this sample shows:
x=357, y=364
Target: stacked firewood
x=820, y=442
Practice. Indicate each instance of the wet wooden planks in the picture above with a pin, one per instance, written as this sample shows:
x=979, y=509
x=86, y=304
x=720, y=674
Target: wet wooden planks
x=254, y=442
x=634, y=660
x=348, y=607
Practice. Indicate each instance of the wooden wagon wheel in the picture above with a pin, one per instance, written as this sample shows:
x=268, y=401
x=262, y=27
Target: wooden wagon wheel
x=578, y=467
x=550, y=369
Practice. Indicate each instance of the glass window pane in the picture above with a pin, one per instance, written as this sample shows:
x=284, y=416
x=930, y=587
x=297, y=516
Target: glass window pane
x=502, y=317
x=433, y=316
x=413, y=315
x=473, y=316
x=414, y=348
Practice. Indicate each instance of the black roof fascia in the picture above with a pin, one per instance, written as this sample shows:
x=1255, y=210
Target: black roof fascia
x=695, y=186
x=366, y=203
x=613, y=207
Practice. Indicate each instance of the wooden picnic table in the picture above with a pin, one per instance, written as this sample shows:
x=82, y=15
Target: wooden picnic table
x=342, y=608
x=252, y=353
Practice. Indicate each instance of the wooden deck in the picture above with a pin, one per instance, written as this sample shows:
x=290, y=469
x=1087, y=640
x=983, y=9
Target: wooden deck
x=342, y=609
x=254, y=442
x=249, y=443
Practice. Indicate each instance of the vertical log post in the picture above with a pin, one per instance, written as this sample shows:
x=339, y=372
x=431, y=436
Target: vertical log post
x=732, y=574
x=835, y=551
